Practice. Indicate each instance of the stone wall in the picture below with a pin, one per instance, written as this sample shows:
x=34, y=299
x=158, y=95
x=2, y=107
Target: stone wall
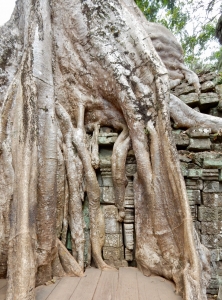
x=200, y=154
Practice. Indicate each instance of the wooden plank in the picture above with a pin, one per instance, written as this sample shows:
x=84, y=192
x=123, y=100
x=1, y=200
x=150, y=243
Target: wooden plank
x=147, y=287
x=87, y=285
x=3, y=283
x=3, y=292
x=107, y=286
x=127, y=286
x=166, y=290
x=155, y=288
x=43, y=291
x=64, y=289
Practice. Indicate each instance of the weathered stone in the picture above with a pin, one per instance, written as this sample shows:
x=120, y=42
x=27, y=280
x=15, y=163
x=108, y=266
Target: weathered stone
x=219, y=106
x=219, y=90
x=210, y=241
x=128, y=254
x=112, y=226
x=199, y=132
x=183, y=89
x=212, y=199
x=210, y=174
x=107, y=195
x=214, y=283
x=207, y=77
x=180, y=138
x=193, y=210
x=212, y=186
x=112, y=253
x=214, y=255
x=208, y=99
x=207, y=86
x=116, y=263
x=106, y=174
x=191, y=99
x=219, y=296
x=220, y=175
x=219, y=243
x=128, y=231
x=215, y=112
x=198, y=144
x=212, y=163
x=107, y=139
x=219, y=209
x=194, y=197
x=194, y=173
x=129, y=196
x=129, y=216
x=207, y=214
x=184, y=168
x=194, y=184
x=216, y=147
x=110, y=215
x=105, y=130
x=130, y=169
x=113, y=240
x=210, y=227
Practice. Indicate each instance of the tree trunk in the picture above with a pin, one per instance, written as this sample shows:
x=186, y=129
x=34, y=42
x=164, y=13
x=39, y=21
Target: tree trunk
x=71, y=66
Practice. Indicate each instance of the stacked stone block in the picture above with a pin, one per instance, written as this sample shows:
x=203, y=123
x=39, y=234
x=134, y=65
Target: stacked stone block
x=200, y=154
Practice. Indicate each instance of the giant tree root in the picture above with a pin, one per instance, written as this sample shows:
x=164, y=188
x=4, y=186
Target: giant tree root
x=185, y=116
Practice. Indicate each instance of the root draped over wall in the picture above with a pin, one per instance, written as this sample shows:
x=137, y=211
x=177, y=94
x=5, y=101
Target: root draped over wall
x=74, y=66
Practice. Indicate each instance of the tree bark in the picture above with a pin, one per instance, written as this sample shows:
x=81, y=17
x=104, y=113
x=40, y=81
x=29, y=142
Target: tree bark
x=69, y=67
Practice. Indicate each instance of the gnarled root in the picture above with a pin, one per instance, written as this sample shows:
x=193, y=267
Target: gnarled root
x=118, y=159
x=97, y=228
x=185, y=116
x=70, y=266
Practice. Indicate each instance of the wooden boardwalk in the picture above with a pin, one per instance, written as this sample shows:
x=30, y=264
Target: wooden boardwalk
x=125, y=284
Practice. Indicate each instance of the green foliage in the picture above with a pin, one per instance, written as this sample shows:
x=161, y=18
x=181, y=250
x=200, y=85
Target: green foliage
x=195, y=31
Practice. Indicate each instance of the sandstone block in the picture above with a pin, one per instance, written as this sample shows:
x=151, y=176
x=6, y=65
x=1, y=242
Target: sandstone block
x=207, y=77
x=130, y=169
x=194, y=173
x=184, y=89
x=111, y=253
x=207, y=214
x=194, y=184
x=209, y=227
x=128, y=254
x=190, y=99
x=107, y=195
x=219, y=214
x=129, y=196
x=194, y=197
x=129, y=216
x=212, y=199
x=212, y=186
x=107, y=138
x=198, y=144
x=212, y=163
x=208, y=86
x=128, y=232
x=193, y=209
x=214, y=255
x=113, y=240
x=214, y=283
x=110, y=215
x=210, y=241
x=199, y=132
x=210, y=174
x=208, y=99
